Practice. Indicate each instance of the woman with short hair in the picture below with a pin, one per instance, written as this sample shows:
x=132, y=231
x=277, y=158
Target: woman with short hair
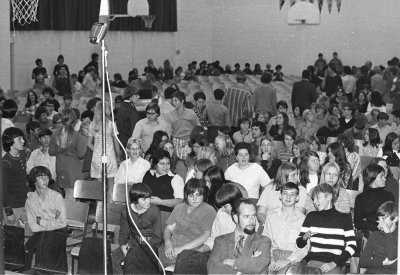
x=134, y=167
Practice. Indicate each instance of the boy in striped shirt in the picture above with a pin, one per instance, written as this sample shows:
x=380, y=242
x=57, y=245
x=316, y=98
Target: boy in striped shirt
x=329, y=232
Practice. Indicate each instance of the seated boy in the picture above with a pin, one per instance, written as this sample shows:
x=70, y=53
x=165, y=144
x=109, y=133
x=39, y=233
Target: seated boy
x=245, y=134
x=282, y=107
x=282, y=227
x=67, y=102
x=137, y=257
x=49, y=93
x=47, y=217
x=32, y=135
x=380, y=254
x=41, y=117
x=50, y=108
x=41, y=157
x=328, y=252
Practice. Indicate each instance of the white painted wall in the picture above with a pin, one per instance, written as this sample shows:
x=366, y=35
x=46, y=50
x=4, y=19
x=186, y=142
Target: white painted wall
x=231, y=31
x=5, y=82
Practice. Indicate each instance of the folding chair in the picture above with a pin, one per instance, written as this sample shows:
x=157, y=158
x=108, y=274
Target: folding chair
x=77, y=218
x=88, y=190
x=14, y=252
x=91, y=259
x=113, y=220
x=51, y=256
x=119, y=192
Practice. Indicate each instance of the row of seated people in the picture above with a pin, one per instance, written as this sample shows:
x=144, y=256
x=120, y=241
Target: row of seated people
x=199, y=240
x=255, y=177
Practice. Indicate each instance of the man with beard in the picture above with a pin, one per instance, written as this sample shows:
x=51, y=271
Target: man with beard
x=244, y=250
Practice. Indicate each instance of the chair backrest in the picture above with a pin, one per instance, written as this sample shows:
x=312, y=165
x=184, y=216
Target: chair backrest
x=113, y=213
x=14, y=252
x=51, y=253
x=119, y=192
x=91, y=258
x=90, y=190
x=76, y=211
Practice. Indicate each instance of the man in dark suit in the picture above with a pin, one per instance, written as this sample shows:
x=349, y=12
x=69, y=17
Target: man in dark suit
x=304, y=92
x=244, y=250
x=127, y=115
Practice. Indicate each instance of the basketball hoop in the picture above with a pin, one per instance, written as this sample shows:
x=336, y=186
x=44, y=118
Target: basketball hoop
x=24, y=11
x=148, y=20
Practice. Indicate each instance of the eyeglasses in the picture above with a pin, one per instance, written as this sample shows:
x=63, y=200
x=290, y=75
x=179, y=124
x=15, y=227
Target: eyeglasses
x=150, y=113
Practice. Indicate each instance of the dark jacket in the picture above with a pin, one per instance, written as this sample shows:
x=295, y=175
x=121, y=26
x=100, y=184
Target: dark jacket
x=303, y=94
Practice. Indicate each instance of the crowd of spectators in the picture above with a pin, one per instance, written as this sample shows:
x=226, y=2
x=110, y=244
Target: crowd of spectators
x=240, y=183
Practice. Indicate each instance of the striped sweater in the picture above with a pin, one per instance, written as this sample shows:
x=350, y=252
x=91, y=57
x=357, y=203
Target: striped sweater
x=334, y=240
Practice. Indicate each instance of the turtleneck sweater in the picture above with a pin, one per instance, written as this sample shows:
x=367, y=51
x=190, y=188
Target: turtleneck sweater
x=366, y=206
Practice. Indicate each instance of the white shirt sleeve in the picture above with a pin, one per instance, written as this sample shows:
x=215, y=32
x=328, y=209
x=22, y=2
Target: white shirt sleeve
x=263, y=176
x=178, y=185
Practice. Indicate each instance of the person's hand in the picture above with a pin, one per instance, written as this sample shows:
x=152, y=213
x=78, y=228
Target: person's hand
x=308, y=235
x=169, y=250
x=229, y=262
x=382, y=226
x=177, y=251
x=388, y=262
x=124, y=249
x=266, y=156
x=327, y=267
x=11, y=220
x=275, y=266
x=155, y=200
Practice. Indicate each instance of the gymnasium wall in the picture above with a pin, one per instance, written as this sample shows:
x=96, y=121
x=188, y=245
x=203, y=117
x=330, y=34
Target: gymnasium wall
x=231, y=31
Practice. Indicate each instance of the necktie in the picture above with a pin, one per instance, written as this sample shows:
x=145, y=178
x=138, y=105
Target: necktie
x=239, y=247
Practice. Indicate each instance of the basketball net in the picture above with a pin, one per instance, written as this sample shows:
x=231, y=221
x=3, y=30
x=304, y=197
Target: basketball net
x=148, y=20
x=24, y=11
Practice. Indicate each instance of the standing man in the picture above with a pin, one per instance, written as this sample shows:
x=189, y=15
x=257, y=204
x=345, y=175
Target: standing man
x=304, y=92
x=337, y=63
x=329, y=251
x=127, y=115
x=264, y=97
x=282, y=227
x=39, y=69
x=320, y=65
x=331, y=82
x=238, y=100
x=217, y=113
x=62, y=83
x=244, y=250
x=145, y=128
x=181, y=121
x=151, y=68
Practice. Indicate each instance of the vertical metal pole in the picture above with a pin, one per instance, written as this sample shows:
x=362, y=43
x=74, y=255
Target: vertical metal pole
x=1, y=211
x=12, y=65
x=104, y=155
